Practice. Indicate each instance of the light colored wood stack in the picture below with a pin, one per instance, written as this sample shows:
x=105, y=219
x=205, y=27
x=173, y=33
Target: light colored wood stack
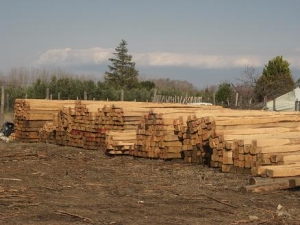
x=239, y=157
x=120, y=142
x=149, y=136
x=141, y=139
x=30, y=115
x=61, y=126
x=162, y=131
x=125, y=117
x=196, y=136
x=260, y=140
x=263, y=143
x=241, y=142
x=78, y=125
x=156, y=136
x=81, y=126
x=86, y=124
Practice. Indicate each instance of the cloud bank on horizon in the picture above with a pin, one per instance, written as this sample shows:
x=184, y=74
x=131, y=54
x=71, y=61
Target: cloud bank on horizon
x=68, y=57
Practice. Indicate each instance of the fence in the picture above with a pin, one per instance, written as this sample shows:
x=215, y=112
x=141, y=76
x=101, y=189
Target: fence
x=177, y=99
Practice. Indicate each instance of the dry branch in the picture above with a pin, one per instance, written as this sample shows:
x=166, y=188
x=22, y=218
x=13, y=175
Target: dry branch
x=85, y=219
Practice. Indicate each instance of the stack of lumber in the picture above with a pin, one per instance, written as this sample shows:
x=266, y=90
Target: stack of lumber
x=86, y=123
x=243, y=141
x=262, y=143
x=30, y=115
x=156, y=137
x=83, y=125
x=162, y=130
x=120, y=142
x=196, y=135
x=260, y=140
x=154, y=125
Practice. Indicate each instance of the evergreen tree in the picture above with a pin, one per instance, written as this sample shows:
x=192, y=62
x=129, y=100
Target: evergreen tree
x=276, y=79
x=122, y=72
x=224, y=92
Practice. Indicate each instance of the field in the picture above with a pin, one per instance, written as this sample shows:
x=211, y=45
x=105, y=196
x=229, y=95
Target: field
x=49, y=184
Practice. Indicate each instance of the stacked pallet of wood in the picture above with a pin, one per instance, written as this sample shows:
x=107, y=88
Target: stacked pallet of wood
x=259, y=140
x=238, y=141
x=195, y=136
x=86, y=124
x=81, y=125
x=30, y=115
x=263, y=143
x=158, y=138
x=155, y=136
x=120, y=142
x=149, y=136
x=162, y=131
x=154, y=124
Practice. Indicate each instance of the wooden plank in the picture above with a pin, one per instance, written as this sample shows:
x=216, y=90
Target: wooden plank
x=259, y=170
x=266, y=187
x=267, y=180
x=286, y=171
x=288, y=159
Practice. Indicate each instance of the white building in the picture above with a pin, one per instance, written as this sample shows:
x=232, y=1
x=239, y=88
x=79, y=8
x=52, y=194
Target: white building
x=285, y=102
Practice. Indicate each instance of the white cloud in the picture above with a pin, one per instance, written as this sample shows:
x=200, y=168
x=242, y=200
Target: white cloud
x=196, y=60
x=71, y=57
x=99, y=56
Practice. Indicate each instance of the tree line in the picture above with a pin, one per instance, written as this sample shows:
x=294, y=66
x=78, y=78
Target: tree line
x=122, y=79
x=255, y=89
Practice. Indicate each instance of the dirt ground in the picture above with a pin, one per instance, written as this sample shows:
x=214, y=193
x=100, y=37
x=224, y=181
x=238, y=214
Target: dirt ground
x=48, y=184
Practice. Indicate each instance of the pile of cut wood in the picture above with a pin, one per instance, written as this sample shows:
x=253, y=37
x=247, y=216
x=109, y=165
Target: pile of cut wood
x=261, y=143
x=30, y=115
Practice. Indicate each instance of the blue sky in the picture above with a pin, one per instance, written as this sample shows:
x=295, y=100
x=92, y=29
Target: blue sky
x=203, y=42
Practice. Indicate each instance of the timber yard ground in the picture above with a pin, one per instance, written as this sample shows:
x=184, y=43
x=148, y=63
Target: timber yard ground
x=48, y=184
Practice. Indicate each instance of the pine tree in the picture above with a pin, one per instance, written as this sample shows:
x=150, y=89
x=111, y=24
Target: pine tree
x=276, y=79
x=122, y=72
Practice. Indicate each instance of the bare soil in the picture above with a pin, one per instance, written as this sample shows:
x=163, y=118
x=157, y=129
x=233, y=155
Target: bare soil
x=49, y=184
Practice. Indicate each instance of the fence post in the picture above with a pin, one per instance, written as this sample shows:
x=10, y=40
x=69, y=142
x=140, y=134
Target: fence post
x=7, y=102
x=85, y=95
x=2, y=104
x=265, y=101
x=186, y=98
x=47, y=93
x=154, y=95
x=274, y=104
x=214, y=98
x=122, y=95
x=241, y=102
